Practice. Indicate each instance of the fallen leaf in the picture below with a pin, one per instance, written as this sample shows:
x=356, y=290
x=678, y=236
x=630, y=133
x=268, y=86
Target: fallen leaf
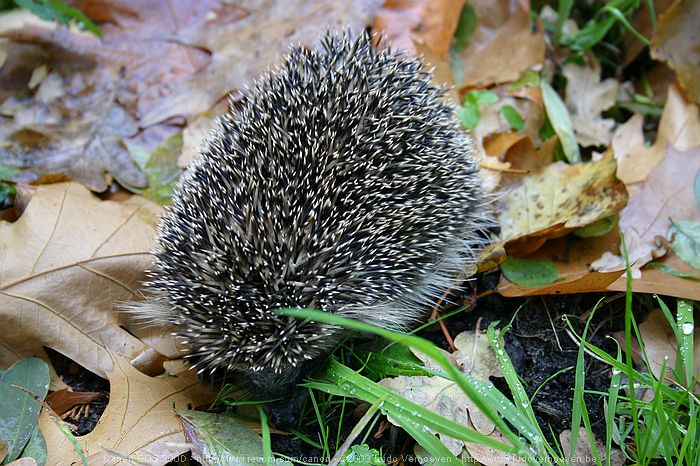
x=660, y=345
x=66, y=399
x=475, y=357
x=139, y=421
x=23, y=462
x=243, y=50
x=78, y=129
x=667, y=194
x=487, y=456
x=66, y=263
x=529, y=273
x=573, y=257
x=679, y=126
x=502, y=30
x=586, y=99
x=583, y=453
x=432, y=23
x=219, y=439
x=677, y=41
x=550, y=202
x=655, y=280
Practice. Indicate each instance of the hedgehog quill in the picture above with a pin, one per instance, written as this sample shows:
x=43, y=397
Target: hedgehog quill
x=345, y=184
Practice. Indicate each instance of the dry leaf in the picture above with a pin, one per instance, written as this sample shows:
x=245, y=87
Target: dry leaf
x=66, y=262
x=444, y=397
x=679, y=126
x=677, y=41
x=586, y=98
x=657, y=281
x=502, y=30
x=74, y=125
x=550, y=202
x=242, y=50
x=583, y=453
x=432, y=23
x=65, y=399
x=660, y=345
x=667, y=194
x=487, y=456
x=573, y=257
x=139, y=421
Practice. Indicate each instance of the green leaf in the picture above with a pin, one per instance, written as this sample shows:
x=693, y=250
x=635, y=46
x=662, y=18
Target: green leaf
x=36, y=447
x=222, y=440
x=561, y=122
x=675, y=272
x=686, y=241
x=57, y=11
x=19, y=412
x=465, y=27
x=530, y=78
x=160, y=168
x=483, y=97
x=529, y=273
x=362, y=455
x=394, y=360
x=597, y=228
x=470, y=113
x=6, y=172
x=512, y=117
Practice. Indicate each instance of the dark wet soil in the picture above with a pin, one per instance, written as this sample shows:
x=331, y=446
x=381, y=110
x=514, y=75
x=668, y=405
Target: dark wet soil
x=537, y=342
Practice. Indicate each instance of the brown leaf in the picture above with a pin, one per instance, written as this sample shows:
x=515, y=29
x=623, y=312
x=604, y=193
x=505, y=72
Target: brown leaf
x=66, y=399
x=679, y=126
x=666, y=194
x=583, y=453
x=242, y=50
x=573, y=257
x=502, y=46
x=432, y=23
x=586, y=99
x=550, y=202
x=66, y=262
x=139, y=421
x=78, y=127
x=678, y=42
x=475, y=357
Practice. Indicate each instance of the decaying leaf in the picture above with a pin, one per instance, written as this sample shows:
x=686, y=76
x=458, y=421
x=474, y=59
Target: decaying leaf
x=660, y=344
x=431, y=23
x=66, y=263
x=502, y=30
x=586, y=99
x=73, y=125
x=550, y=202
x=476, y=358
x=242, y=50
x=139, y=422
x=677, y=43
x=583, y=453
x=679, y=126
x=666, y=195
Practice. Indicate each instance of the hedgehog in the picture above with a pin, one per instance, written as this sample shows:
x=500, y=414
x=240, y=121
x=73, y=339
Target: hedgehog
x=343, y=182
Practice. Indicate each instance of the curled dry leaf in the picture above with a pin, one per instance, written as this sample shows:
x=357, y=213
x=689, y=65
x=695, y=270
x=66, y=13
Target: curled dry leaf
x=66, y=262
x=550, y=202
x=502, y=30
x=586, y=99
x=678, y=42
x=243, y=49
x=139, y=421
x=444, y=397
x=666, y=195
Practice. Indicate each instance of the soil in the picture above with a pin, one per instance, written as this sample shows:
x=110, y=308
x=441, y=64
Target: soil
x=537, y=342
